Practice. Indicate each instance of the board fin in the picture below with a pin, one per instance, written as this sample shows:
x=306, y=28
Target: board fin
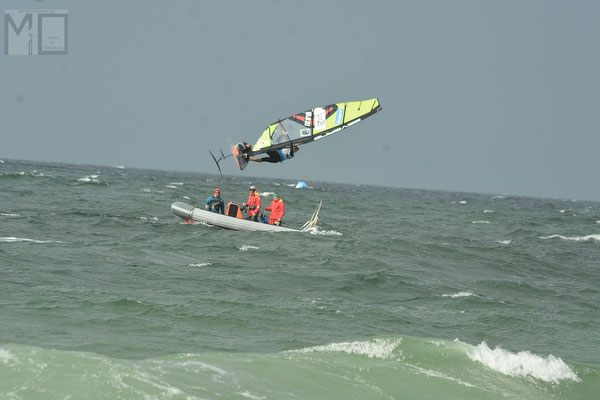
x=221, y=157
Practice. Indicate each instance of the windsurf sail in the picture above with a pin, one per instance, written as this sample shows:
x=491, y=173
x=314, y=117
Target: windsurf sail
x=314, y=124
x=302, y=128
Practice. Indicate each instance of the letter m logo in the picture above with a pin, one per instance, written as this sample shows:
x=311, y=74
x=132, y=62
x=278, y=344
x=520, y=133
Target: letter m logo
x=17, y=40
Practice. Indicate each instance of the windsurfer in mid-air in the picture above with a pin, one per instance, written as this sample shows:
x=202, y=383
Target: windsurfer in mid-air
x=273, y=156
x=280, y=139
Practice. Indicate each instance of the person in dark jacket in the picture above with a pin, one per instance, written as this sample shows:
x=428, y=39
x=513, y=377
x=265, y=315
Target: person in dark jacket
x=215, y=203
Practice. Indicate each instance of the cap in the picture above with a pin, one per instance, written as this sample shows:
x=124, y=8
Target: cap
x=252, y=187
x=275, y=194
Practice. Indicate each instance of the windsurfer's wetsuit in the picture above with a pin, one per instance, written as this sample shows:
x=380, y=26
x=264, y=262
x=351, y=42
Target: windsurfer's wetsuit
x=216, y=204
x=275, y=156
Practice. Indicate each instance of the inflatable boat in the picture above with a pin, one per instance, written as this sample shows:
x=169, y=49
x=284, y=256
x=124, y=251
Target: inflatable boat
x=232, y=219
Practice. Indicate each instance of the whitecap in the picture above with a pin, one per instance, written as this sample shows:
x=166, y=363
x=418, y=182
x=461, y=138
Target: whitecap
x=504, y=241
x=247, y=247
x=10, y=215
x=315, y=230
x=377, y=348
x=1, y=161
x=522, y=364
x=204, y=264
x=480, y=222
x=488, y=211
x=89, y=179
x=6, y=356
x=498, y=197
x=119, y=166
x=11, y=239
x=267, y=193
x=587, y=238
x=598, y=222
x=176, y=183
x=467, y=293
x=251, y=396
x=462, y=202
x=171, y=186
x=186, y=197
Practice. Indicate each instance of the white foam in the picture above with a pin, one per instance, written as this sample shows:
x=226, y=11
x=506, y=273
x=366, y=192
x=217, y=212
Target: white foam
x=204, y=264
x=598, y=222
x=498, y=197
x=192, y=222
x=377, y=348
x=10, y=215
x=488, y=211
x=462, y=202
x=247, y=247
x=186, y=197
x=504, y=241
x=251, y=396
x=33, y=173
x=119, y=166
x=522, y=364
x=436, y=374
x=6, y=357
x=587, y=238
x=89, y=179
x=11, y=239
x=315, y=230
x=176, y=183
x=467, y=293
x=480, y=222
x=1, y=161
x=171, y=186
x=267, y=193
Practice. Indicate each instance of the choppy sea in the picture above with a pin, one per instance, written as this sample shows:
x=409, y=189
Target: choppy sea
x=397, y=294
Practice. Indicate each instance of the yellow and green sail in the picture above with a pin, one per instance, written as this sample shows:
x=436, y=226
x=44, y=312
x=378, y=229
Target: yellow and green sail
x=314, y=124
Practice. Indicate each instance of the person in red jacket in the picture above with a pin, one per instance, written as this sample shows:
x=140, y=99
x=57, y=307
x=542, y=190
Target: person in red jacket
x=253, y=204
x=277, y=209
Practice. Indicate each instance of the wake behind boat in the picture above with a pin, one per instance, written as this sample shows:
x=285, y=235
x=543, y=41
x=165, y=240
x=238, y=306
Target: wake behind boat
x=232, y=218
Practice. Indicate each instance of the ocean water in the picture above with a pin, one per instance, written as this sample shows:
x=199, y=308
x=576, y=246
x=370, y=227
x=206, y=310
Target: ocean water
x=397, y=294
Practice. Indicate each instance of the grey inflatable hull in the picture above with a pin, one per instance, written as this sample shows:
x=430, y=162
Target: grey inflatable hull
x=188, y=212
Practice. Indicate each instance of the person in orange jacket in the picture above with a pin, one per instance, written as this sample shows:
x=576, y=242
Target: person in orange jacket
x=253, y=204
x=277, y=209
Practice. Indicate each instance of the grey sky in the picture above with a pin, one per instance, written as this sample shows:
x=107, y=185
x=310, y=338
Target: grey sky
x=477, y=96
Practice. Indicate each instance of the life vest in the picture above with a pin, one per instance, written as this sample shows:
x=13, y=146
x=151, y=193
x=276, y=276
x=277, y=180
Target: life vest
x=277, y=209
x=253, y=204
